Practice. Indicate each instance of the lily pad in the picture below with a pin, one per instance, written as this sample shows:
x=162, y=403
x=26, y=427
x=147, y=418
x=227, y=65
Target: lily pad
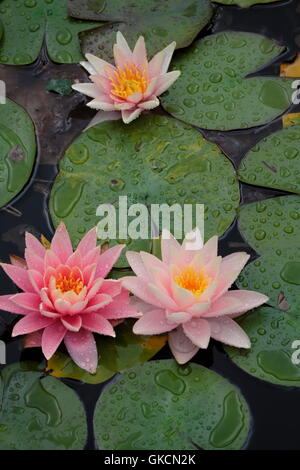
x=115, y=355
x=39, y=413
x=159, y=21
x=163, y=406
x=214, y=90
x=28, y=23
x=245, y=3
x=154, y=160
x=62, y=86
x=272, y=334
x=17, y=150
x=275, y=161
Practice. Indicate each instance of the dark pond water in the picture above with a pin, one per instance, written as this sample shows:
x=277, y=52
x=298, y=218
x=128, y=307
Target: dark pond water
x=58, y=120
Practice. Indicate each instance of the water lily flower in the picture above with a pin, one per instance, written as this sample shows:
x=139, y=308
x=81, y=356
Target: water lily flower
x=187, y=294
x=66, y=297
x=133, y=84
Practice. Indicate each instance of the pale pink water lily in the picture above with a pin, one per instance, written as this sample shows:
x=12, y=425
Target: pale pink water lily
x=133, y=84
x=66, y=297
x=187, y=294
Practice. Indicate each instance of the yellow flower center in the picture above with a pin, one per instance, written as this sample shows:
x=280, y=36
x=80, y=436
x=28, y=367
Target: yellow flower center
x=128, y=81
x=69, y=283
x=194, y=281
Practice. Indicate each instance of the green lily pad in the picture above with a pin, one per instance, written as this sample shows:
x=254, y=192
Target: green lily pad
x=213, y=91
x=17, y=150
x=115, y=355
x=39, y=413
x=245, y=3
x=272, y=334
x=274, y=161
x=160, y=22
x=163, y=406
x=28, y=23
x=62, y=86
x=154, y=160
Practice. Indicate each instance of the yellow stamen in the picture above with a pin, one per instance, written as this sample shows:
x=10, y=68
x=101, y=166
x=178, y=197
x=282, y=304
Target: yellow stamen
x=128, y=81
x=69, y=283
x=194, y=281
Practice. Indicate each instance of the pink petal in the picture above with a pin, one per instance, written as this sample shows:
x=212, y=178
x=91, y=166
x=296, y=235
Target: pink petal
x=33, y=340
x=88, y=242
x=165, y=81
x=61, y=244
x=150, y=89
x=36, y=280
x=124, y=106
x=99, y=301
x=181, y=346
x=92, y=256
x=111, y=287
x=137, y=265
x=135, y=97
x=149, y=104
x=183, y=297
x=49, y=313
x=139, y=53
x=89, y=274
x=198, y=331
x=210, y=249
x=108, y=259
x=227, y=331
x=72, y=323
x=121, y=307
x=169, y=247
x=105, y=87
x=9, y=306
x=140, y=288
x=75, y=260
x=52, y=260
x=129, y=115
x=83, y=350
x=104, y=104
x=192, y=245
x=34, y=245
x=19, y=276
x=31, y=323
x=99, y=65
x=45, y=298
x=199, y=308
x=62, y=306
x=154, y=322
x=88, y=89
x=34, y=261
x=162, y=298
x=230, y=269
x=17, y=261
x=27, y=300
x=248, y=299
x=161, y=61
x=94, y=289
x=178, y=317
x=96, y=323
x=52, y=337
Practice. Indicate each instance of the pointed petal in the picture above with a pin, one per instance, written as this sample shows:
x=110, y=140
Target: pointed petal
x=72, y=322
x=102, y=116
x=154, y=322
x=83, y=350
x=99, y=65
x=96, y=323
x=19, y=276
x=227, y=331
x=88, y=89
x=162, y=297
x=111, y=287
x=161, y=61
x=137, y=265
x=34, y=245
x=248, y=300
x=108, y=259
x=121, y=307
x=178, y=317
x=129, y=116
x=98, y=302
x=181, y=346
x=165, y=81
x=31, y=323
x=149, y=104
x=231, y=267
x=34, y=261
x=139, y=53
x=61, y=244
x=88, y=242
x=9, y=306
x=88, y=67
x=27, y=300
x=198, y=331
x=52, y=337
x=101, y=104
x=36, y=280
x=169, y=246
x=135, y=97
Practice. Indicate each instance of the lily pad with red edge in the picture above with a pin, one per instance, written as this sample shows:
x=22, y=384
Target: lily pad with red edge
x=39, y=412
x=115, y=355
x=272, y=332
x=160, y=22
x=215, y=91
x=154, y=160
x=28, y=23
x=163, y=406
x=17, y=150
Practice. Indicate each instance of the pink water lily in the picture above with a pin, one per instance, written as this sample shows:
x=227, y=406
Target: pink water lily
x=66, y=297
x=186, y=294
x=133, y=84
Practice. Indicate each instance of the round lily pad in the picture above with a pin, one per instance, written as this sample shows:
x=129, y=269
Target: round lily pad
x=214, y=92
x=115, y=355
x=160, y=22
x=275, y=161
x=154, y=160
x=28, y=23
x=245, y=3
x=39, y=413
x=164, y=406
x=17, y=150
x=272, y=334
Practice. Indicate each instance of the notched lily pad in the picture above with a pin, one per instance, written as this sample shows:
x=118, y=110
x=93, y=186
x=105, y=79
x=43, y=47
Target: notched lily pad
x=26, y=24
x=17, y=150
x=154, y=160
x=214, y=92
x=272, y=333
x=115, y=355
x=274, y=162
x=39, y=413
x=159, y=21
x=163, y=406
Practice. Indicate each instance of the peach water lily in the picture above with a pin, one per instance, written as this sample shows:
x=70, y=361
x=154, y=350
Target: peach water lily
x=133, y=84
x=187, y=294
x=66, y=296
